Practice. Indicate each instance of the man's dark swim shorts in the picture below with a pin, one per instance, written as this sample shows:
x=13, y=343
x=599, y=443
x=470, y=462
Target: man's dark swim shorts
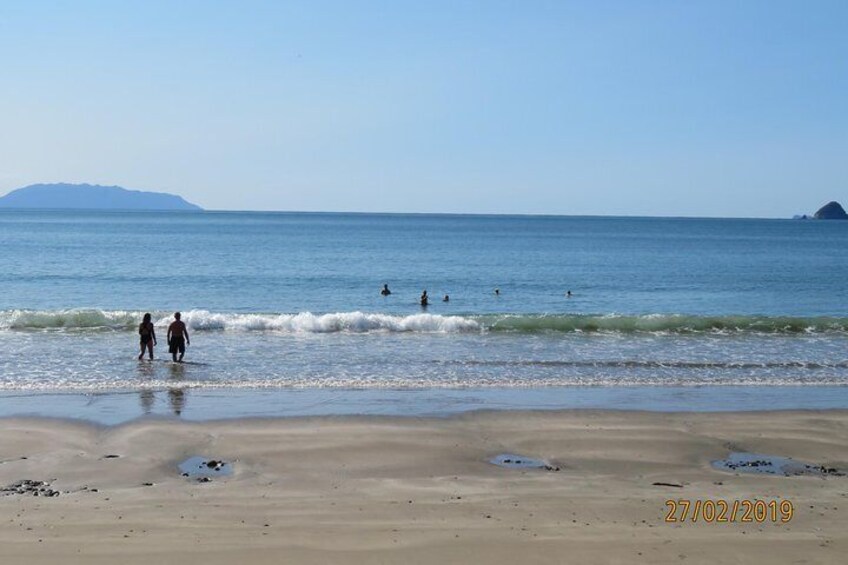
x=177, y=345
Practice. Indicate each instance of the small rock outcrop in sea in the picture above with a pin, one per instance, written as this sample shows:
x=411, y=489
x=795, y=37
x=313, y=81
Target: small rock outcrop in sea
x=831, y=211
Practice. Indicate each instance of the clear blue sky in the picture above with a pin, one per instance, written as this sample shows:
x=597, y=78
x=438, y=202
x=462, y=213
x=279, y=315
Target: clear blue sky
x=713, y=108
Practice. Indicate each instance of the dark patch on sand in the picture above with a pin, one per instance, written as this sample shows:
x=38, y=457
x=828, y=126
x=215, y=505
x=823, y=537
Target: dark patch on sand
x=744, y=462
x=202, y=467
x=30, y=487
x=512, y=461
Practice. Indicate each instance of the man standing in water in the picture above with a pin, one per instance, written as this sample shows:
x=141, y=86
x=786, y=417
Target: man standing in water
x=177, y=338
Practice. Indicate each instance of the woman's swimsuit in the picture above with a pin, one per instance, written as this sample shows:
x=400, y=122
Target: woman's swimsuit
x=145, y=335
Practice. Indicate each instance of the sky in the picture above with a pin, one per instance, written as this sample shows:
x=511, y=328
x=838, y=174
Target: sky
x=649, y=108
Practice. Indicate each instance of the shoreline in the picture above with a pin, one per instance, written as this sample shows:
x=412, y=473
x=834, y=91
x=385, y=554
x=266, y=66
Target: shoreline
x=200, y=404
x=399, y=418
x=362, y=489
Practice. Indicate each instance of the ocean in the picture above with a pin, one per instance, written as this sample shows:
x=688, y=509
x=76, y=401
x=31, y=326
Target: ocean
x=286, y=315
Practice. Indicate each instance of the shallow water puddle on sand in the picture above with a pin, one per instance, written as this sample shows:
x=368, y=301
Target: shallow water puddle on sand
x=744, y=462
x=512, y=461
x=203, y=467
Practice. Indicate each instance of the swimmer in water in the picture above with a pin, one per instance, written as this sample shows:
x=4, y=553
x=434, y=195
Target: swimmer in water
x=385, y=291
x=446, y=298
x=497, y=292
x=568, y=294
x=425, y=300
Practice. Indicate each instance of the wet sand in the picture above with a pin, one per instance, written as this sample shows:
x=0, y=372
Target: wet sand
x=414, y=490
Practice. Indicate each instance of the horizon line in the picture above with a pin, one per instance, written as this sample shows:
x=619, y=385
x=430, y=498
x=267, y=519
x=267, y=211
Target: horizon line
x=396, y=213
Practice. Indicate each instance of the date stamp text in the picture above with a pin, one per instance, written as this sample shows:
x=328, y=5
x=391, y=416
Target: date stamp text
x=717, y=511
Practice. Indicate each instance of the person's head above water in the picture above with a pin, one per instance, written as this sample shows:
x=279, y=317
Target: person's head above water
x=146, y=318
x=177, y=315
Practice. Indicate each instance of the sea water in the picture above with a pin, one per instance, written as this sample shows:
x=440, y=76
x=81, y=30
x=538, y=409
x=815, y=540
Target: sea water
x=729, y=313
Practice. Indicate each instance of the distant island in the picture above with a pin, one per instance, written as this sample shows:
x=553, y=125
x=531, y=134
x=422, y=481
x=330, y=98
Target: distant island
x=92, y=197
x=830, y=211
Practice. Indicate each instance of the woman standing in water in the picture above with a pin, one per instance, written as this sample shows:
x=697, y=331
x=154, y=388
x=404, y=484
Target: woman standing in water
x=147, y=335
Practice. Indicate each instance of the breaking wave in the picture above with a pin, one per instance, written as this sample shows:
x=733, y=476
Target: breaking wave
x=665, y=323
x=364, y=322
x=202, y=320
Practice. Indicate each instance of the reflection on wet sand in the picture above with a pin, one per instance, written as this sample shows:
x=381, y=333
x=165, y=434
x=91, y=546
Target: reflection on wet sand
x=176, y=399
x=147, y=398
x=176, y=394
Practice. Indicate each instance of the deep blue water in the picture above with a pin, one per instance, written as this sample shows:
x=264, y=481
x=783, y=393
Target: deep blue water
x=278, y=262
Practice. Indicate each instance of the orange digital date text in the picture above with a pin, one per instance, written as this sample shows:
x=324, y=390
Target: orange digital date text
x=719, y=511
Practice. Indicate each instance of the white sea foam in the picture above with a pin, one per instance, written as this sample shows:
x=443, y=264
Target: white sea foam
x=199, y=320
x=68, y=319
x=83, y=384
x=363, y=322
x=306, y=322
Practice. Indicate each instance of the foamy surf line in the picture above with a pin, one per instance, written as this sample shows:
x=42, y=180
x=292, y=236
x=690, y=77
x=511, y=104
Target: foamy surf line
x=119, y=386
x=203, y=320
x=365, y=322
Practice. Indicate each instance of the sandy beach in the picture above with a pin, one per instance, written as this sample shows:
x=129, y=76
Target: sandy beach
x=412, y=490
